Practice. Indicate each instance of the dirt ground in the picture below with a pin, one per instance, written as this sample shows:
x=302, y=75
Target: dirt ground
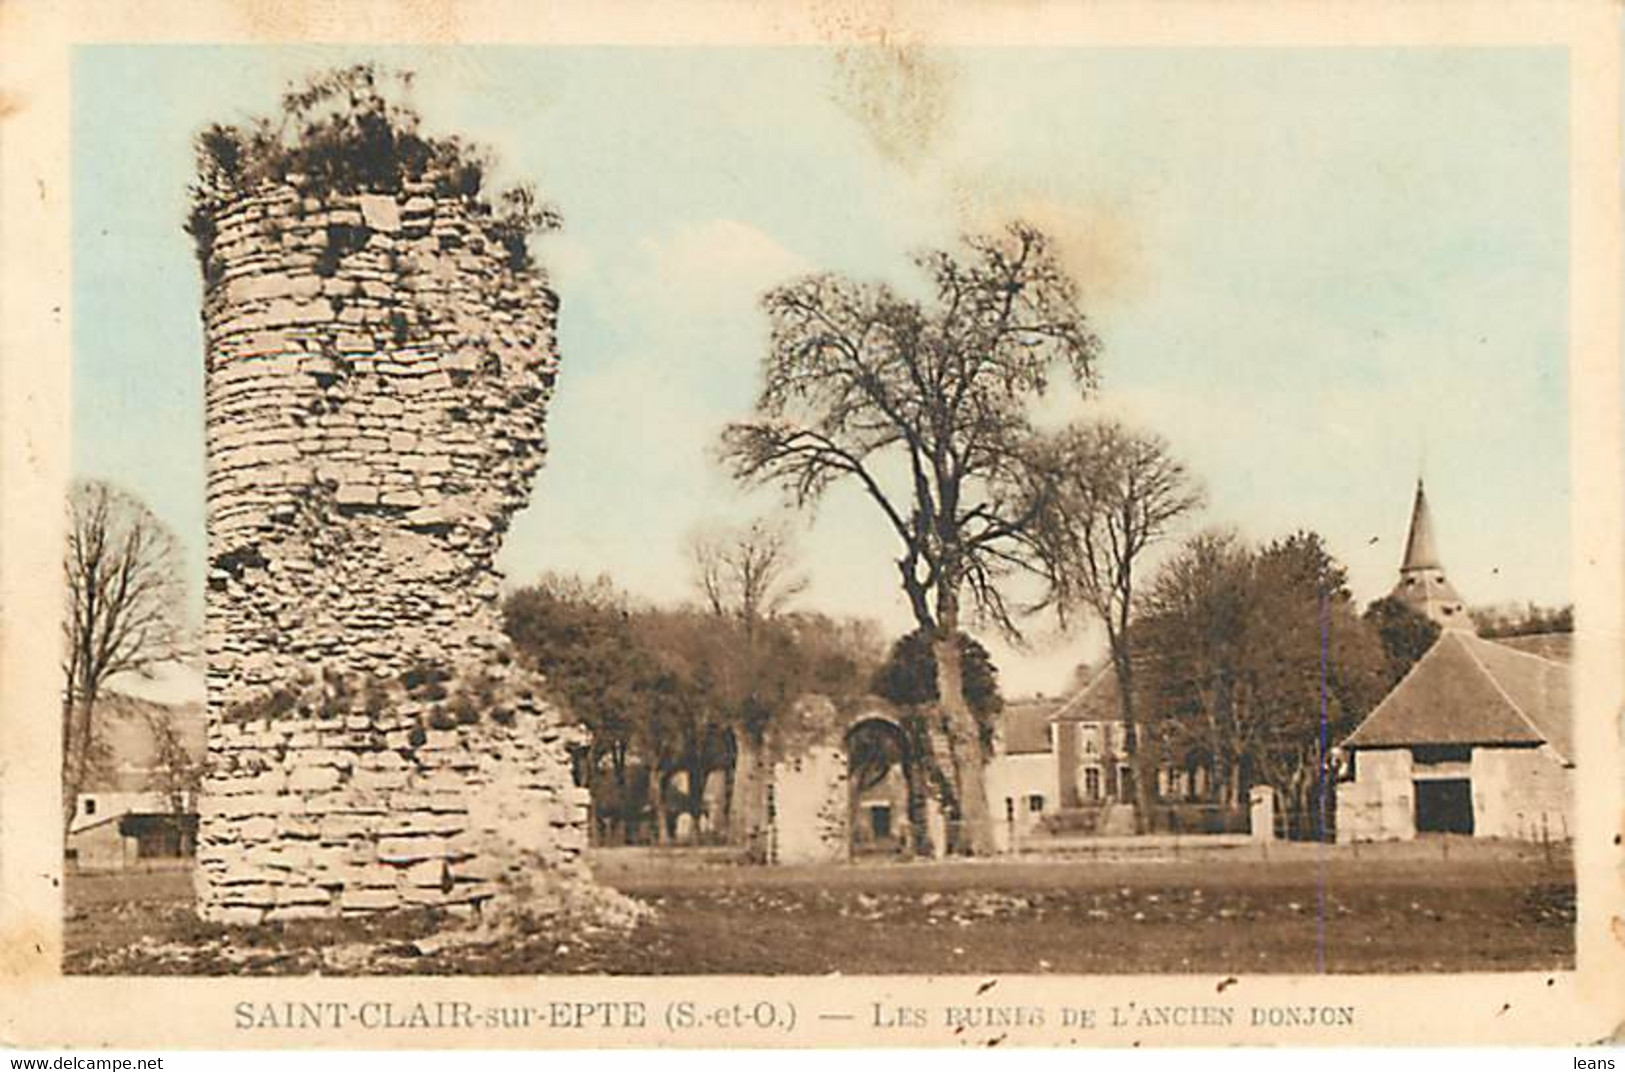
x=1428, y=907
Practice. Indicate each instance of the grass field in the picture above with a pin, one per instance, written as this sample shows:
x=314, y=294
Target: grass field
x=1304, y=909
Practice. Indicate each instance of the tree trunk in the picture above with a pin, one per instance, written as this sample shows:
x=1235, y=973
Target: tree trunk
x=623, y=803
x=657, y=798
x=1139, y=760
x=70, y=777
x=76, y=752
x=698, y=776
x=745, y=817
x=964, y=743
x=917, y=777
x=729, y=774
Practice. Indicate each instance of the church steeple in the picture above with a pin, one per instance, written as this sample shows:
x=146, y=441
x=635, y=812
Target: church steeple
x=1422, y=583
x=1419, y=549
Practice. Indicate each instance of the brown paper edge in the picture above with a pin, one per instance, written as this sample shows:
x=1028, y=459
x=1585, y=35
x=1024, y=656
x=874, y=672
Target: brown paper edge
x=39, y=1008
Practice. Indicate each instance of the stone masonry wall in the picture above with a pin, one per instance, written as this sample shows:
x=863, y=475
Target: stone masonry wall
x=811, y=808
x=1523, y=793
x=806, y=786
x=377, y=380
x=1377, y=804
x=307, y=817
x=377, y=375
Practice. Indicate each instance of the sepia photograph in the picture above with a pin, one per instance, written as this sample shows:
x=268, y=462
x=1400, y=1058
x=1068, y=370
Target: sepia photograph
x=869, y=507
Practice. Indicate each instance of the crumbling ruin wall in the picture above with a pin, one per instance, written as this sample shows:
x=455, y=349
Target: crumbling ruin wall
x=809, y=805
x=806, y=796
x=378, y=369
x=377, y=380
x=811, y=808
x=312, y=817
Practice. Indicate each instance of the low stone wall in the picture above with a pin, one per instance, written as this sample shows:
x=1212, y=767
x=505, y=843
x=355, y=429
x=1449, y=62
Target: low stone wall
x=320, y=817
x=1519, y=793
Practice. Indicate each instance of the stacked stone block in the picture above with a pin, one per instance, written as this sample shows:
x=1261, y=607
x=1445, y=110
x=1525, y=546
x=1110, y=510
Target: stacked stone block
x=377, y=381
x=378, y=369
x=318, y=817
x=812, y=808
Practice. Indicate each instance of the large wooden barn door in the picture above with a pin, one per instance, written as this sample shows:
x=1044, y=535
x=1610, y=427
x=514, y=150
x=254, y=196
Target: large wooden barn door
x=1444, y=806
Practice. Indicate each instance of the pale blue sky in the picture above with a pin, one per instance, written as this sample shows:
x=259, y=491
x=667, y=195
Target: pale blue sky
x=1314, y=271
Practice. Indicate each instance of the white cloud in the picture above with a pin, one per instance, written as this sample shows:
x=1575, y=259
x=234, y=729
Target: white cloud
x=713, y=269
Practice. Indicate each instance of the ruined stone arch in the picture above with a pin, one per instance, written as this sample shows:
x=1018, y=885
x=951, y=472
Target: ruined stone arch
x=819, y=808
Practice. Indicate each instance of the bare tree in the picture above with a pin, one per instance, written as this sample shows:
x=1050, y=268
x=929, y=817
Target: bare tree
x=746, y=573
x=1123, y=491
x=176, y=773
x=858, y=375
x=124, y=612
x=748, y=576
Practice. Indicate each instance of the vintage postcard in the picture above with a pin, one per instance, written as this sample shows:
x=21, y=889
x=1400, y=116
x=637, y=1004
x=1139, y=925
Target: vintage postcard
x=810, y=525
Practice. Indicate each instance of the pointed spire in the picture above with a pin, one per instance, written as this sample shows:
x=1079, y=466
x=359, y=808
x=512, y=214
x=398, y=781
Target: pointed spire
x=1422, y=583
x=1420, y=552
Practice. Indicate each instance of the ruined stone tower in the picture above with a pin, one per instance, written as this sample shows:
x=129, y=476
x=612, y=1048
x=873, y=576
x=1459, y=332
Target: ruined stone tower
x=379, y=359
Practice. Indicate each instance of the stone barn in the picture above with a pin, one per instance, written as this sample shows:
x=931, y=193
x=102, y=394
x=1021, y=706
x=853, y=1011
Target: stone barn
x=139, y=808
x=1477, y=739
x=116, y=831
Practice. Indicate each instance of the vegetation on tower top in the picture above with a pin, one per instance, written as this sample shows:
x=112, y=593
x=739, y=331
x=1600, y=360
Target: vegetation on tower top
x=348, y=131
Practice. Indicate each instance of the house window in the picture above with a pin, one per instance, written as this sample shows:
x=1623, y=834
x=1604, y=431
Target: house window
x=90, y=805
x=1091, y=783
x=1010, y=809
x=1035, y=802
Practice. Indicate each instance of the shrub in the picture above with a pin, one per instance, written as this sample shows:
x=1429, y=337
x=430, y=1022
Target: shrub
x=452, y=697
x=423, y=678
x=269, y=705
x=343, y=133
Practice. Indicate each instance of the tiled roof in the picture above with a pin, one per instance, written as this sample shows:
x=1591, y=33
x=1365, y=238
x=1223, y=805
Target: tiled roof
x=1468, y=691
x=1539, y=687
x=1024, y=726
x=1098, y=701
x=1420, y=552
